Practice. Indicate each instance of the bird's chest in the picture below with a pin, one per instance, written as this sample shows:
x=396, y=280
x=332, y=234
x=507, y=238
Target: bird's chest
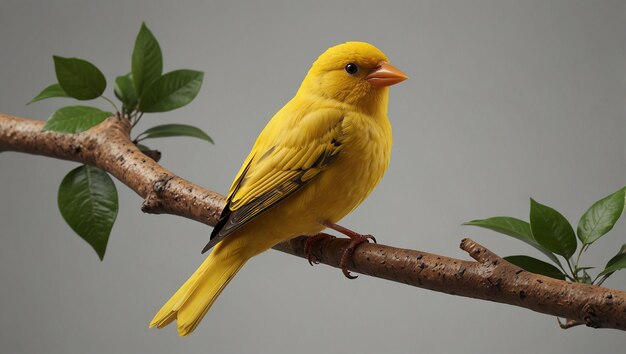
x=359, y=167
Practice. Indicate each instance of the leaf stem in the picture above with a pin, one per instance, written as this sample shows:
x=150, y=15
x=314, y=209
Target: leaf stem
x=582, y=249
x=569, y=265
x=111, y=102
x=564, y=271
x=605, y=277
x=570, y=278
x=136, y=120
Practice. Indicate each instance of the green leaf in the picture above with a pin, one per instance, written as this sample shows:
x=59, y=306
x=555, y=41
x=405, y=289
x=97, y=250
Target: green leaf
x=125, y=91
x=54, y=90
x=616, y=263
x=147, y=60
x=79, y=78
x=88, y=202
x=551, y=230
x=536, y=266
x=171, y=91
x=580, y=269
x=601, y=217
x=515, y=228
x=168, y=130
x=75, y=119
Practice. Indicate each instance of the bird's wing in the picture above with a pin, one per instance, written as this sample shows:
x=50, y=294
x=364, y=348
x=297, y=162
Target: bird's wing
x=285, y=157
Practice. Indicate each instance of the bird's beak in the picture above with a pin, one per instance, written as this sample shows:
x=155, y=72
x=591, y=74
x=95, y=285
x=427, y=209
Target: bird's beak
x=385, y=74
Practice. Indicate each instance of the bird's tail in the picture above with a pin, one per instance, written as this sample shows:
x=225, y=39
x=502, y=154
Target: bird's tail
x=192, y=301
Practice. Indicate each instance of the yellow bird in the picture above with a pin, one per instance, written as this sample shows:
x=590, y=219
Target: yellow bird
x=316, y=160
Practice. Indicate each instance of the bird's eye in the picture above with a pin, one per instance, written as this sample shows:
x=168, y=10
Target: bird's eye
x=352, y=68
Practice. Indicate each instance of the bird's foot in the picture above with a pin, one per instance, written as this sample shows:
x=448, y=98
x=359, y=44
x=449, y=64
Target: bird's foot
x=310, y=242
x=355, y=240
x=346, y=257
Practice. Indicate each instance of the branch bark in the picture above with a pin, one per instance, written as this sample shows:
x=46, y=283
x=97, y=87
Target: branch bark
x=489, y=277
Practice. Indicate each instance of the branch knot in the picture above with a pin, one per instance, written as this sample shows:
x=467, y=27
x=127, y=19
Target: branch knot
x=153, y=204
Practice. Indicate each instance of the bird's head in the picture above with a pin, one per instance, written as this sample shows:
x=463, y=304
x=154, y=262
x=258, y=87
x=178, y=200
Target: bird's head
x=356, y=73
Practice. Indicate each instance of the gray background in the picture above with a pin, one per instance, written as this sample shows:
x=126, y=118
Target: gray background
x=507, y=100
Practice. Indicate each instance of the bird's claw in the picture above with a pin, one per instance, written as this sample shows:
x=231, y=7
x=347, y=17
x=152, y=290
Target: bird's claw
x=355, y=240
x=349, y=252
x=370, y=237
x=348, y=275
x=309, y=244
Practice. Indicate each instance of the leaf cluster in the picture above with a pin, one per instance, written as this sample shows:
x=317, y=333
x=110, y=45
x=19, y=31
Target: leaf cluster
x=87, y=196
x=552, y=234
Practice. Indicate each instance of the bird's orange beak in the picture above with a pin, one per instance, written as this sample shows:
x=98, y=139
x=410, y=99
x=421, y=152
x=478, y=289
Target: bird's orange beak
x=385, y=74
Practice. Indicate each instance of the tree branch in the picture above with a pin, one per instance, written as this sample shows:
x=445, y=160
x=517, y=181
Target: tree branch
x=109, y=147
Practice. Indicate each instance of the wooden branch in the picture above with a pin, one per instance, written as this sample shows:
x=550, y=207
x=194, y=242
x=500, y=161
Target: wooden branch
x=109, y=147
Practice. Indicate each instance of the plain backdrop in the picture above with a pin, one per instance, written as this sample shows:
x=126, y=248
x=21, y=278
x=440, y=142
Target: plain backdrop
x=507, y=100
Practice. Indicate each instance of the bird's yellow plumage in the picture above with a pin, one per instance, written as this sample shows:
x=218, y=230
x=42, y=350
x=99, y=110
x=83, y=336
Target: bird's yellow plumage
x=317, y=159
